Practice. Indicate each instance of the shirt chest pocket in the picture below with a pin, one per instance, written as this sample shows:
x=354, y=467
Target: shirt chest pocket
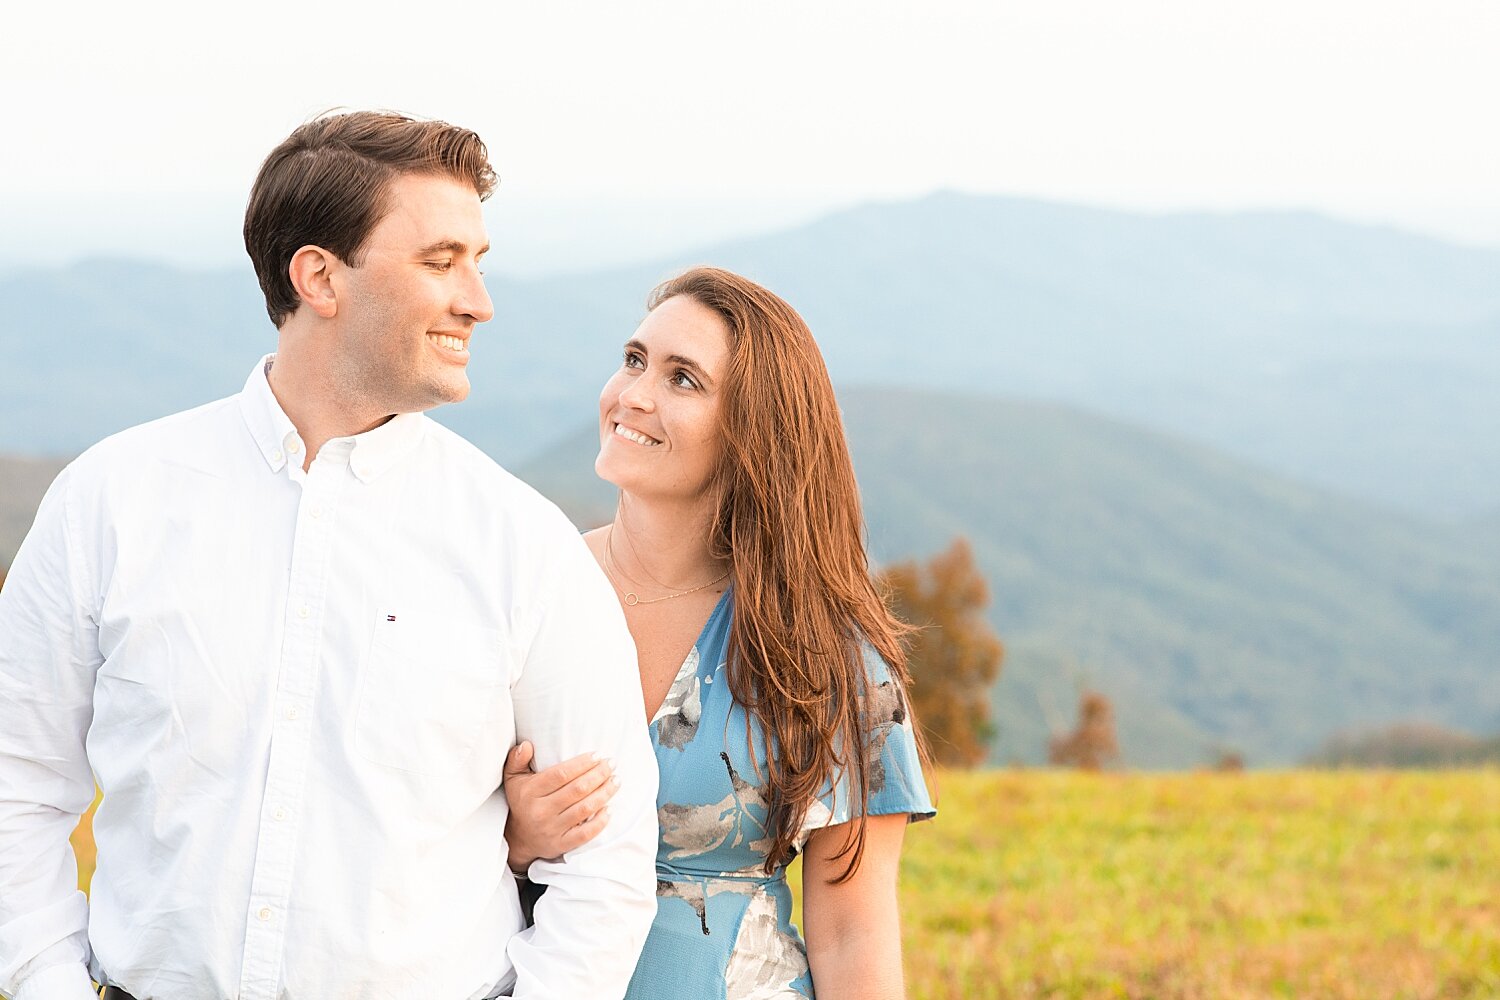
x=429, y=690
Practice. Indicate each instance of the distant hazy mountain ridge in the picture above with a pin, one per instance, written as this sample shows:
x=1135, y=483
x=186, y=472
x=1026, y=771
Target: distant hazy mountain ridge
x=1341, y=570
x=1359, y=358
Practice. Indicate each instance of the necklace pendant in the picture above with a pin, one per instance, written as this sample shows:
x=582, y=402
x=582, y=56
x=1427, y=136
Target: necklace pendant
x=631, y=600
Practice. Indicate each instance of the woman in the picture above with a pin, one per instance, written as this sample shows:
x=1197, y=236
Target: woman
x=737, y=553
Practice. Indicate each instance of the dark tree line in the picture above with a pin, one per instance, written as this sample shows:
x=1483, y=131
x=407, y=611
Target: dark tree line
x=1406, y=744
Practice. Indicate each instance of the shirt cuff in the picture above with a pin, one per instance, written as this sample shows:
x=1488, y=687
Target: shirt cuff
x=57, y=982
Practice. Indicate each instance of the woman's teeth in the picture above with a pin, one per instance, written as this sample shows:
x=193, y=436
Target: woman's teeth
x=630, y=435
x=444, y=340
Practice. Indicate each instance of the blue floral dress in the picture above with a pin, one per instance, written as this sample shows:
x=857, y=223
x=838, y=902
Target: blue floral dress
x=723, y=927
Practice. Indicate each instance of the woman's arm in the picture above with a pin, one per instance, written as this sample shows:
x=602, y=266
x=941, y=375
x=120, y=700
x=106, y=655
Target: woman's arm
x=853, y=929
x=557, y=810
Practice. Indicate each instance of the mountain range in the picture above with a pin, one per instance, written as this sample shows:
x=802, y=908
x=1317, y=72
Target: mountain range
x=1239, y=472
x=1357, y=358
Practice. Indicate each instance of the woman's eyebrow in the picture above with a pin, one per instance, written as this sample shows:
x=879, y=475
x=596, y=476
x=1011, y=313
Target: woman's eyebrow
x=678, y=359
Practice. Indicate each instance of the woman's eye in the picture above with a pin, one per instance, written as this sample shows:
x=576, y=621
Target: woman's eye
x=684, y=380
x=633, y=360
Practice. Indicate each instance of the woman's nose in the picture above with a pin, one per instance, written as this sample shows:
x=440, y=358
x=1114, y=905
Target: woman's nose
x=637, y=396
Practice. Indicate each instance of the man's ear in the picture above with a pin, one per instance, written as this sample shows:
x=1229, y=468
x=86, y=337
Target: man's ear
x=311, y=272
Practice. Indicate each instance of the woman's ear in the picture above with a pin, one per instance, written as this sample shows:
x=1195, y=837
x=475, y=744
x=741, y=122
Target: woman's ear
x=311, y=273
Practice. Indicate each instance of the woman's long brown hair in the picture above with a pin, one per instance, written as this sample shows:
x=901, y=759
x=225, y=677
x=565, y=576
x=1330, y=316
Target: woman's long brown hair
x=788, y=520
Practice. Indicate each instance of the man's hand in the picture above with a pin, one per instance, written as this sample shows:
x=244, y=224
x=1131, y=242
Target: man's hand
x=557, y=810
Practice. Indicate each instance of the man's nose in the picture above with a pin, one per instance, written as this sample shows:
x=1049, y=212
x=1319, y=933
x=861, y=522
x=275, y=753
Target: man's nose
x=475, y=301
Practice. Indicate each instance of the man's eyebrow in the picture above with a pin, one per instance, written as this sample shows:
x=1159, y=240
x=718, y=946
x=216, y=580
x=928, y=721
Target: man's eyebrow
x=450, y=246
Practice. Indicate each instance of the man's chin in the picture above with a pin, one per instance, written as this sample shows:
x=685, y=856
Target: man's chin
x=448, y=392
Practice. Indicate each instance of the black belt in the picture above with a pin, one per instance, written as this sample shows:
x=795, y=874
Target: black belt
x=115, y=993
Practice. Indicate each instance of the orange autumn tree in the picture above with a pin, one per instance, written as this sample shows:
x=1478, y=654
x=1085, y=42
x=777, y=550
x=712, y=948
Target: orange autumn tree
x=954, y=654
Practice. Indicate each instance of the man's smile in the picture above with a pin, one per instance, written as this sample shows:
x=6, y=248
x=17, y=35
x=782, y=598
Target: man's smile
x=449, y=342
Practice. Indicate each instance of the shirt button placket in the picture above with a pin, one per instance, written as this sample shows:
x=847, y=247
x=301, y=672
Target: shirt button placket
x=291, y=737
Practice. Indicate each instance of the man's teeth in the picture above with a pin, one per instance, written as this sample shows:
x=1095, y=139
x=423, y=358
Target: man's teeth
x=630, y=435
x=444, y=340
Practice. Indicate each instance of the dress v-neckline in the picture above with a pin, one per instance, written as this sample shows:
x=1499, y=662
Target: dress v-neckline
x=689, y=666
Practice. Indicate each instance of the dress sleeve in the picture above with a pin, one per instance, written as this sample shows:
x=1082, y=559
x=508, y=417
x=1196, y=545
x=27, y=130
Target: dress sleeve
x=895, y=768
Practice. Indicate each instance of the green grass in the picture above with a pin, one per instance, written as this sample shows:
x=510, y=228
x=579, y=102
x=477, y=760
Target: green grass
x=1184, y=886
x=1374, y=885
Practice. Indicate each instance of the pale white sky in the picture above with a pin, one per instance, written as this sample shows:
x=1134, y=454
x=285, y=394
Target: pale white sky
x=1363, y=108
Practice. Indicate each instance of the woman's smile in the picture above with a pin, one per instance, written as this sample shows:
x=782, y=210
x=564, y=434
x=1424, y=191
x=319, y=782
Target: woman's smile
x=636, y=436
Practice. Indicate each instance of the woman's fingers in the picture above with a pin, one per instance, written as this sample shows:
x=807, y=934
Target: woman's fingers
x=571, y=780
x=518, y=761
x=585, y=831
x=590, y=805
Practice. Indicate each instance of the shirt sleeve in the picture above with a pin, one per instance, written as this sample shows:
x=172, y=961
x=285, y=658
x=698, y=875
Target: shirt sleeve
x=579, y=691
x=895, y=767
x=49, y=652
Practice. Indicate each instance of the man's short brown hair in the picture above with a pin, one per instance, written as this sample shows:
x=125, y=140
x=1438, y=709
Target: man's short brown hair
x=328, y=185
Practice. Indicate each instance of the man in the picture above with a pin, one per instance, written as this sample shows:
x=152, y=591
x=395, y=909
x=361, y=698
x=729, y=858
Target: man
x=292, y=635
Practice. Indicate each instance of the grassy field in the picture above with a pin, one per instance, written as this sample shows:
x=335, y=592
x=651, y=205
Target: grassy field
x=1336, y=885
x=1163, y=886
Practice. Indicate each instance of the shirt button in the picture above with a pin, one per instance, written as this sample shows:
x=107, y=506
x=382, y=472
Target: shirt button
x=303, y=612
x=280, y=813
x=293, y=448
x=316, y=511
x=292, y=713
x=275, y=456
x=264, y=913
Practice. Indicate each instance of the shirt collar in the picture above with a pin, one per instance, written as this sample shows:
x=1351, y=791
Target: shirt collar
x=376, y=451
x=369, y=454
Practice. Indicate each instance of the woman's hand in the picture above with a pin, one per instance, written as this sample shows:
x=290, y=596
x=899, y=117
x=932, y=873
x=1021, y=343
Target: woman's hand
x=557, y=810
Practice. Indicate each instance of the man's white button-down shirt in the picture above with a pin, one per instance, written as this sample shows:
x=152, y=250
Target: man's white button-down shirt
x=296, y=691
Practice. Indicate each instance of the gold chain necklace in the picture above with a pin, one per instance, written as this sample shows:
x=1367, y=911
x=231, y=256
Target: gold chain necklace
x=631, y=599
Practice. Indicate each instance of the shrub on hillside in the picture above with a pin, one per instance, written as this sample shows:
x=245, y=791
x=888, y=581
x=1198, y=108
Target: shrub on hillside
x=1092, y=745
